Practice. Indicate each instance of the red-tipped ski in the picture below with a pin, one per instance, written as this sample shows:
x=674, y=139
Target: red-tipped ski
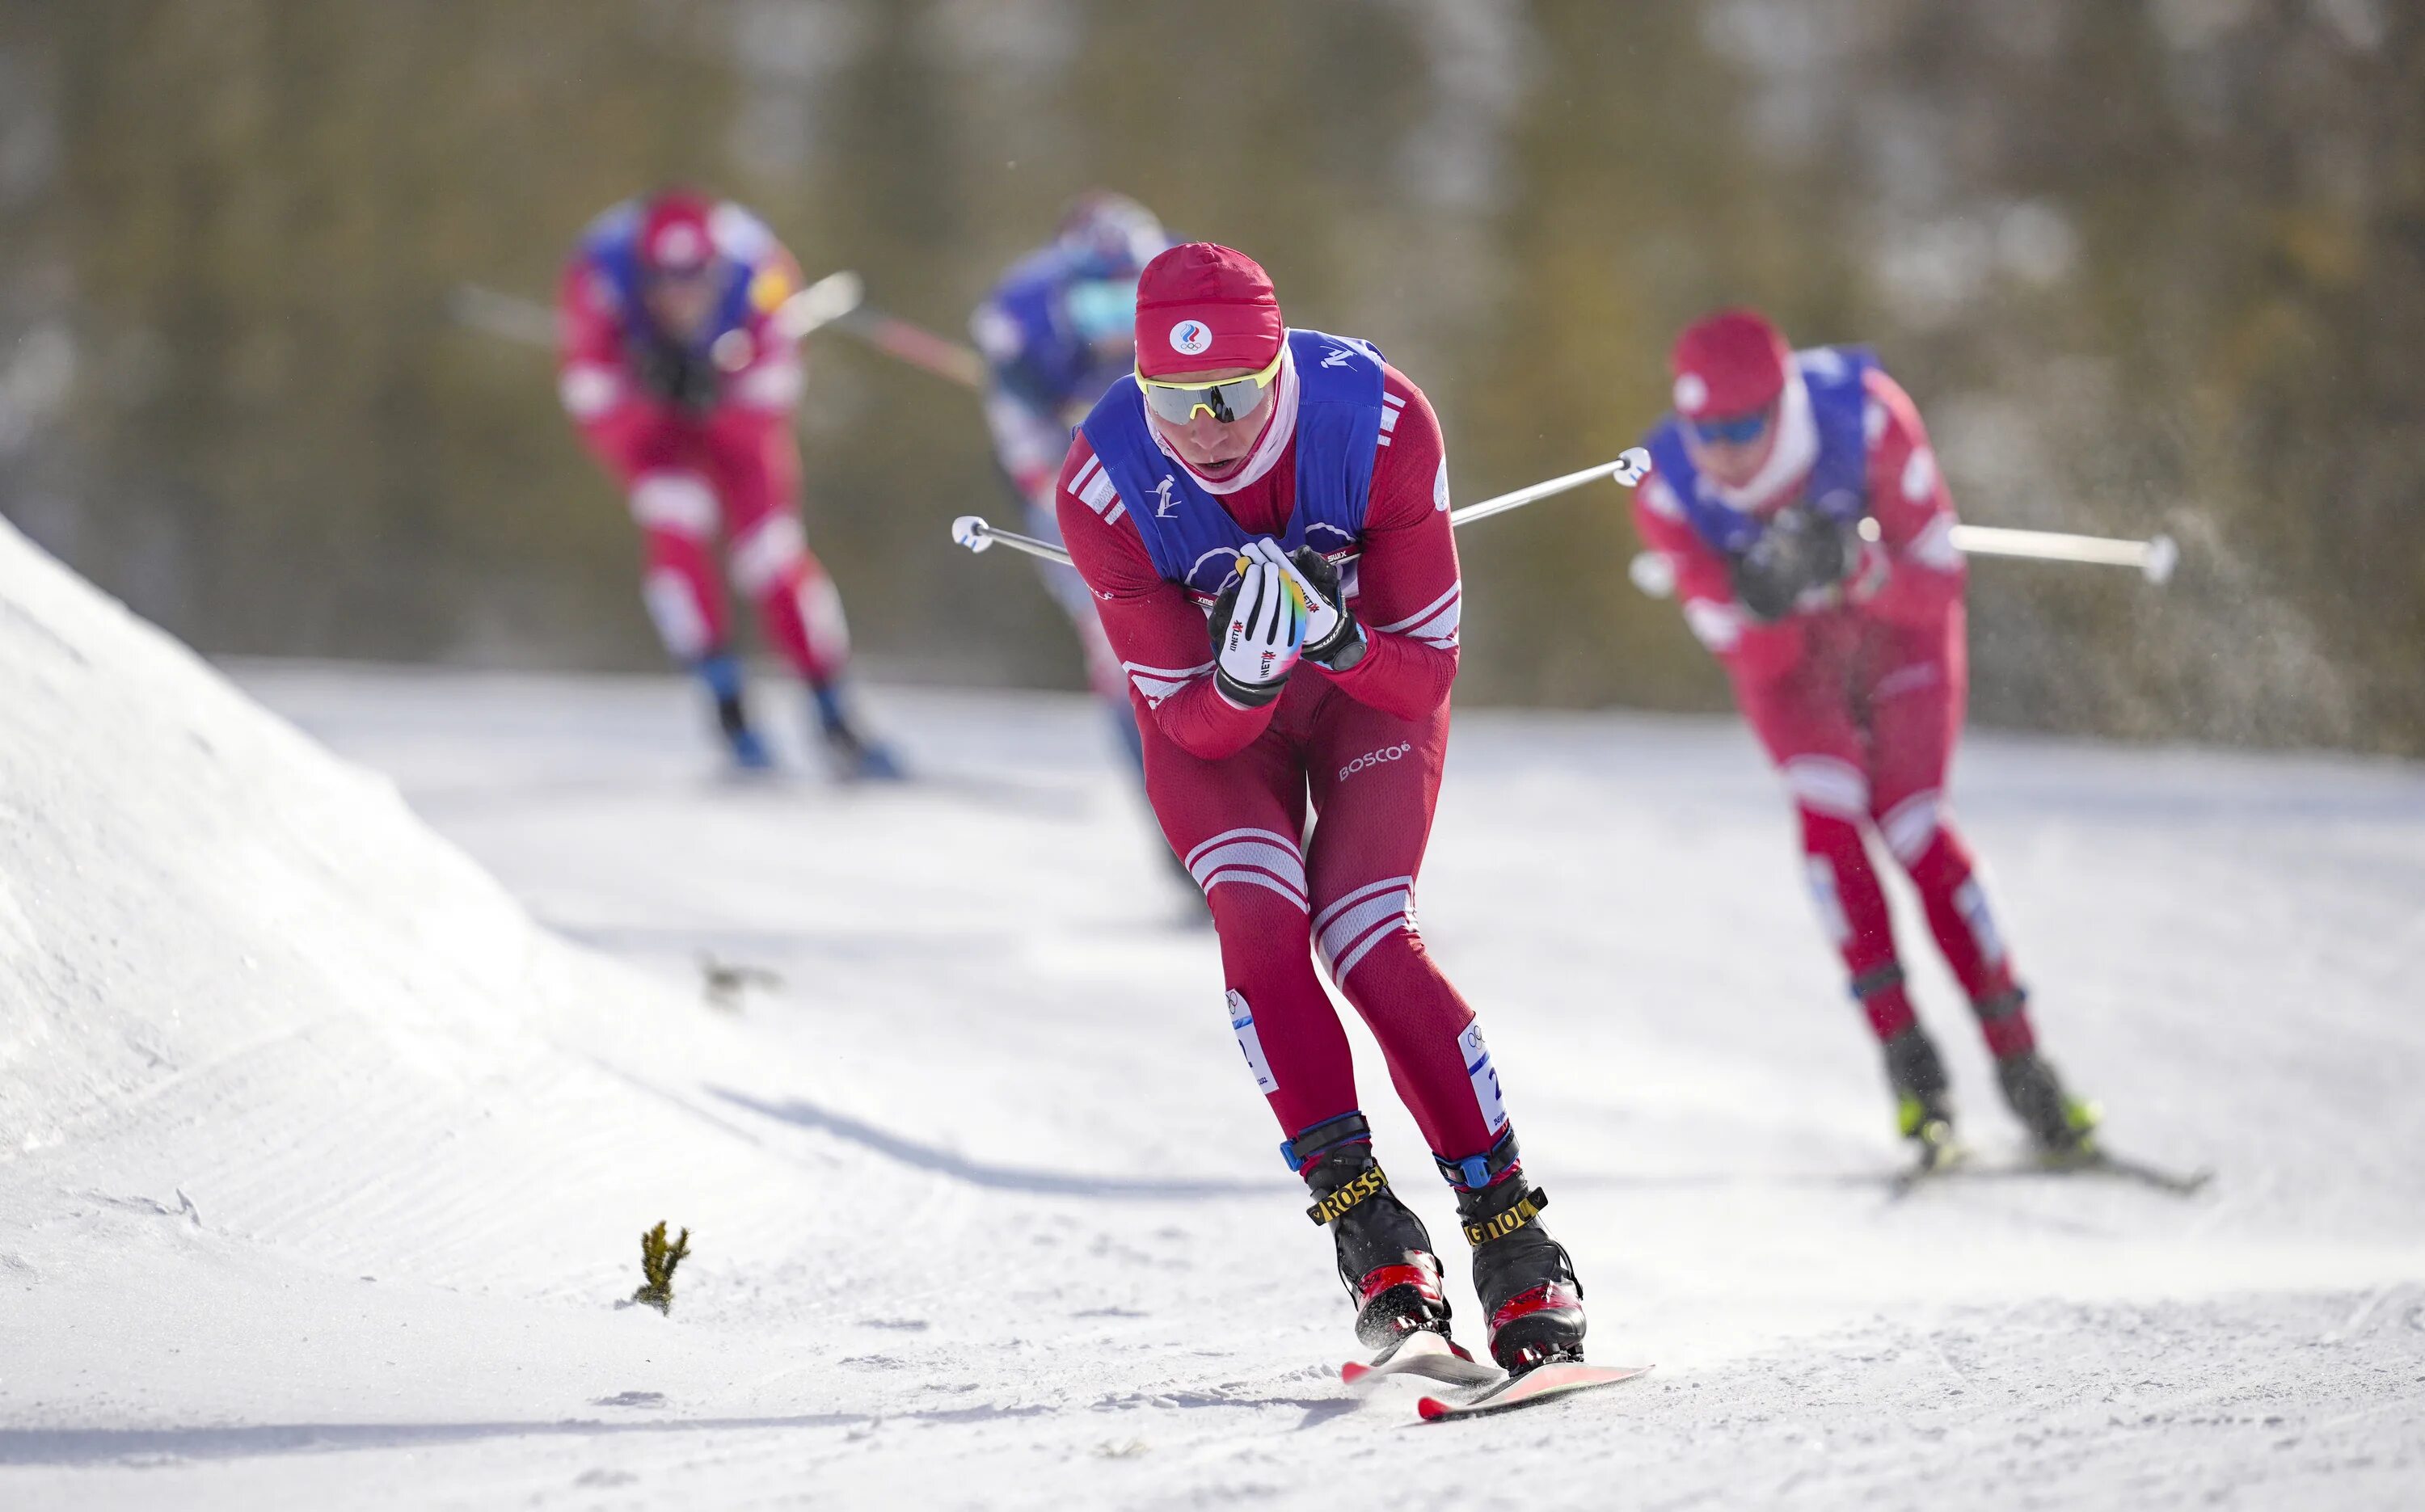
x=1543, y=1383
x=1421, y=1353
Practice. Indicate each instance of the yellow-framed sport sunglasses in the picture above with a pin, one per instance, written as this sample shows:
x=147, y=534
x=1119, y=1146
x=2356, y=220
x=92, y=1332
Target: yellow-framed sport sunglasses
x=1225, y=401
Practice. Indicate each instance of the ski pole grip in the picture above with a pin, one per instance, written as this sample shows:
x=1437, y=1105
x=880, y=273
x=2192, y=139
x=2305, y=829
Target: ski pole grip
x=2163, y=555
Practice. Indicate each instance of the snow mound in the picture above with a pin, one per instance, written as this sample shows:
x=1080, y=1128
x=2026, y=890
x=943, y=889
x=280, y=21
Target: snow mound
x=185, y=881
x=260, y=1026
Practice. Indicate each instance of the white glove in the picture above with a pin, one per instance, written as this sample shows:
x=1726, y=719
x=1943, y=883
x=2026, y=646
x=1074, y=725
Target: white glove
x=1332, y=637
x=1257, y=626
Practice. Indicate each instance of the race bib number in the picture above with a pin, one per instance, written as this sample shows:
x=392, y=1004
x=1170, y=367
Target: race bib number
x=1241, y=1024
x=1484, y=1078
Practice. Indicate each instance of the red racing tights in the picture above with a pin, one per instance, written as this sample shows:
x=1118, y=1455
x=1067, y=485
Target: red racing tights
x=1863, y=731
x=739, y=474
x=1347, y=894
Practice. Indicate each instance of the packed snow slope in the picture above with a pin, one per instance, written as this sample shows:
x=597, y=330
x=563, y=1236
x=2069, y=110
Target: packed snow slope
x=324, y=1156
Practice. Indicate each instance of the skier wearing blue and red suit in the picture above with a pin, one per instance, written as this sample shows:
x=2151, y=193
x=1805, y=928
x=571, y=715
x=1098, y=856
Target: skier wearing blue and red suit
x=683, y=382
x=1057, y=331
x=1797, y=499
x=1262, y=515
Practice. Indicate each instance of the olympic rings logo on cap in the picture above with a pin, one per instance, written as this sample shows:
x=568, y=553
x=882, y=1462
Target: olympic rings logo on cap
x=1190, y=337
x=679, y=245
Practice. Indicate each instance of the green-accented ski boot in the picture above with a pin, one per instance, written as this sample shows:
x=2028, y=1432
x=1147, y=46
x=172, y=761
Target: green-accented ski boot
x=2062, y=1127
x=1924, y=1100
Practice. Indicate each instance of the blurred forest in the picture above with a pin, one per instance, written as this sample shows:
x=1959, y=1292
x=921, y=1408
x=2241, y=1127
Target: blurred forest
x=2146, y=264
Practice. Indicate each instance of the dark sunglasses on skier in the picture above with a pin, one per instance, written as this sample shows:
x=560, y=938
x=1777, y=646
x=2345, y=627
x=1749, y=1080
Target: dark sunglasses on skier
x=1732, y=430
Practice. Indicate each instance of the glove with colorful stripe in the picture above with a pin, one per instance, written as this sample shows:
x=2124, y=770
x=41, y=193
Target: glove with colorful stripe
x=1257, y=626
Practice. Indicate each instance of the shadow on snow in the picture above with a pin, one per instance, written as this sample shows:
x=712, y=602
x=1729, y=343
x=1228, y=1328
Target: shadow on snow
x=958, y=1167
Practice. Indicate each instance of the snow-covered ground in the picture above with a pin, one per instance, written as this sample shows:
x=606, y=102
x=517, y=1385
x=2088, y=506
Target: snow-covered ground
x=323, y=1155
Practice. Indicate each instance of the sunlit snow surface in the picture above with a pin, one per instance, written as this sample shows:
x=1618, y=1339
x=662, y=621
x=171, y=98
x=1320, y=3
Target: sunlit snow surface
x=324, y=1166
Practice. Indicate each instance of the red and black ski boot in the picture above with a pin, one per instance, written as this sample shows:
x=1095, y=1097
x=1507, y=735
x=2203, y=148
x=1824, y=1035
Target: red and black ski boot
x=1525, y=1279
x=1384, y=1256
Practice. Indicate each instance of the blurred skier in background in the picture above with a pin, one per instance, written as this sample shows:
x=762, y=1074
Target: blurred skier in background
x=680, y=380
x=1057, y=331
x=1810, y=532
x=1262, y=515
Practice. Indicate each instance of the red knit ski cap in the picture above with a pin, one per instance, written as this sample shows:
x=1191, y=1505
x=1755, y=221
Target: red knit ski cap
x=1201, y=308
x=1731, y=363
x=674, y=234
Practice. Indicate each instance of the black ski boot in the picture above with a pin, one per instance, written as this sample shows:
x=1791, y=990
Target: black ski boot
x=1384, y=1256
x=2062, y=1127
x=851, y=754
x=1923, y=1101
x=721, y=672
x=1524, y=1278
x=741, y=739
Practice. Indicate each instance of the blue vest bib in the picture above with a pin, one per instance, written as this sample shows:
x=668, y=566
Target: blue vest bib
x=1192, y=539
x=1056, y=365
x=1839, y=484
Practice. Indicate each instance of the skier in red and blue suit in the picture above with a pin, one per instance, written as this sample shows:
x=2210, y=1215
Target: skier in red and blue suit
x=683, y=382
x=1810, y=529
x=1057, y=331
x=1262, y=515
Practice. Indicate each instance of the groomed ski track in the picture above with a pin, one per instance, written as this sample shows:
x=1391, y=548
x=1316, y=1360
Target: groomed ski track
x=985, y=1210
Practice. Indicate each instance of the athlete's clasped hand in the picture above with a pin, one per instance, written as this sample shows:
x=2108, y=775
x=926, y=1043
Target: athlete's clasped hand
x=1799, y=553
x=1332, y=638
x=1259, y=624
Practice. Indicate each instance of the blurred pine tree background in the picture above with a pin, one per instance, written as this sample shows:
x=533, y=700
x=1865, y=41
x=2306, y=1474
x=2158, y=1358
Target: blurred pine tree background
x=2146, y=264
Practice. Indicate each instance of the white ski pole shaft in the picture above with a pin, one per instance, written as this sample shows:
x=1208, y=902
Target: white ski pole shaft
x=1627, y=470
x=528, y=322
x=2155, y=558
x=821, y=303
x=524, y=322
x=973, y=532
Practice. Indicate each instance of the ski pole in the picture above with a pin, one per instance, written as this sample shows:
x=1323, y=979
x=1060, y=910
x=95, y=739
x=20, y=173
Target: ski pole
x=2155, y=558
x=973, y=532
x=528, y=322
x=822, y=303
x=916, y=345
x=524, y=322
x=1627, y=470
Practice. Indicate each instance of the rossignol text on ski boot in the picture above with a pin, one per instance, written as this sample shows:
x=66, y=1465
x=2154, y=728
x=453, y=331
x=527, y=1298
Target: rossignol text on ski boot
x=2061, y=1125
x=1530, y=1297
x=1384, y=1256
x=1923, y=1102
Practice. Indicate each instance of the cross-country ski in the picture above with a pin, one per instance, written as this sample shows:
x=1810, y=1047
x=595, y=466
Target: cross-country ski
x=1547, y=1383
x=1424, y=1353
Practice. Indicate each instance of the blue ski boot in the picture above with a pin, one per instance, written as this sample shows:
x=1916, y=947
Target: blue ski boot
x=853, y=756
x=722, y=673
